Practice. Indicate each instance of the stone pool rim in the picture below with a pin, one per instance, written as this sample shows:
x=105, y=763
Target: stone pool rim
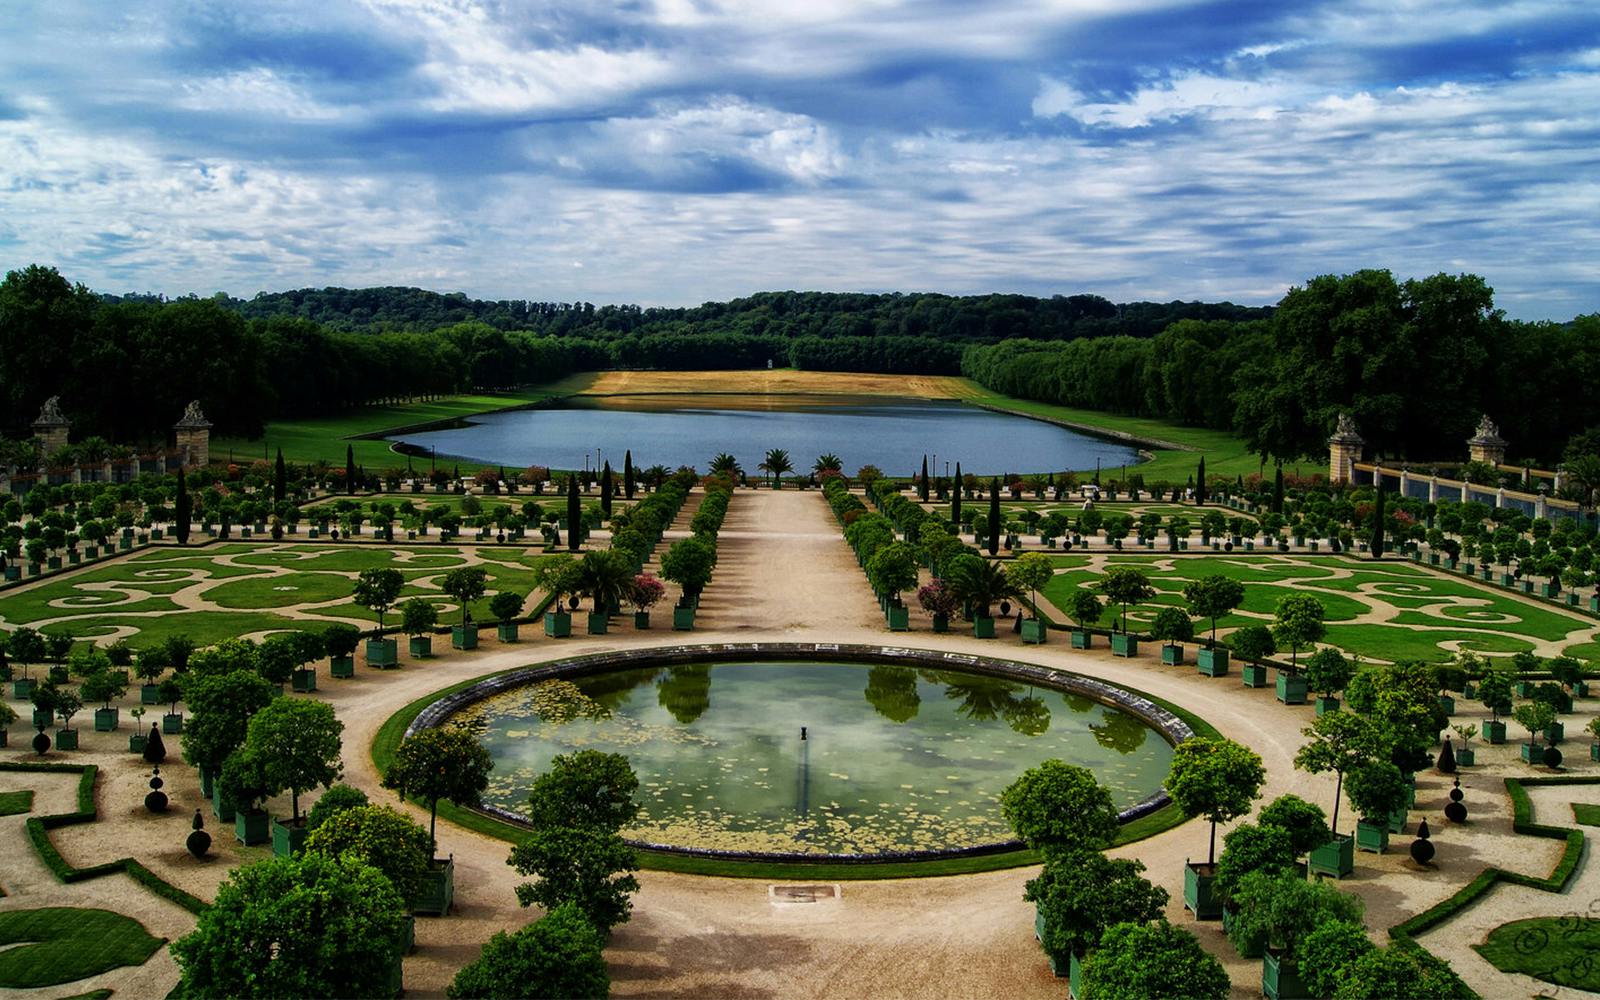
x=1170, y=727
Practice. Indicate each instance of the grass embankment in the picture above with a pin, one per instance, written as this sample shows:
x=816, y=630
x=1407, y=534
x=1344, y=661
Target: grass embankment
x=325, y=438
x=1163, y=819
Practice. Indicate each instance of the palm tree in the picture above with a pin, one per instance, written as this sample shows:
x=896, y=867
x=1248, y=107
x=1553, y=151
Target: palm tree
x=981, y=583
x=827, y=463
x=606, y=577
x=656, y=475
x=777, y=463
x=724, y=464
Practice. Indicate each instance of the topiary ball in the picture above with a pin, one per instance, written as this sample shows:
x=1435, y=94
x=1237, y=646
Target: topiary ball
x=1455, y=812
x=1552, y=756
x=199, y=841
x=156, y=802
x=41, y=743
x=1422, y=851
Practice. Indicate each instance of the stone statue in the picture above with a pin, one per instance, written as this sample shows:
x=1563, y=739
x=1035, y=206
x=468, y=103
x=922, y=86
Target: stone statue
x=1346, y=426
x=193, y=417
x=50, y=412
x=1487, y=429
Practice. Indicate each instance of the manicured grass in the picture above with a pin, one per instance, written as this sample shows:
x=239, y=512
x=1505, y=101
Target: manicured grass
x=1225, y=454
x=1559, y=950
x=62, y=944
x=204, y=627
x=1586, y=813
x=310, y=440
x=12, y=803
x=393, y=731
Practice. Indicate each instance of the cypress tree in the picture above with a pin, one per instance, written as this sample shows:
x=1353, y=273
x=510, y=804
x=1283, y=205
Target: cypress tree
x=994, y=517
x=183, y=510
x=627, y=475
x=1200, y=483
x=922, y=484
x=1377, y=522
x=605, y=491
x=280, y=480
x=1277, y=492
x=574, y=514
x=349, y=468
x=955, y=499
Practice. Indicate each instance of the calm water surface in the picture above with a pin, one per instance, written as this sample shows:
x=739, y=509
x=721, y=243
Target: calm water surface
x=891, y=434
x=894, y=758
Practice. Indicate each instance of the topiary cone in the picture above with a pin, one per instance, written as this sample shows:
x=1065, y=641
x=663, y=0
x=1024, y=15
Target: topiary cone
x=155, y=750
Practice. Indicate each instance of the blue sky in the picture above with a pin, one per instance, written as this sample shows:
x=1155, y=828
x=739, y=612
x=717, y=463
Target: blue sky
x=678, y=151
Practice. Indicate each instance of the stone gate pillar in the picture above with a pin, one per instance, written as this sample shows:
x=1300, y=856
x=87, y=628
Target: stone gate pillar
x=192, y=436
x=1344, y=451
x=51, y=427
x=1487, y=445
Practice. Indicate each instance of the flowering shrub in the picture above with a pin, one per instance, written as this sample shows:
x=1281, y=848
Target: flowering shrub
x=938, y=599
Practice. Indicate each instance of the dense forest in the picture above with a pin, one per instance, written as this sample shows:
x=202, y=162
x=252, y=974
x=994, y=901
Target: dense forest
x=1416, y=362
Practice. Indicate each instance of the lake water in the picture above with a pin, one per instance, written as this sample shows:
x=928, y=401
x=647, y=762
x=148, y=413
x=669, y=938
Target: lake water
x=892, y=434
x=894, y=758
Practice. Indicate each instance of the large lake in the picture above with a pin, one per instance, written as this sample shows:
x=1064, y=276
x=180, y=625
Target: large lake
x=892, y=434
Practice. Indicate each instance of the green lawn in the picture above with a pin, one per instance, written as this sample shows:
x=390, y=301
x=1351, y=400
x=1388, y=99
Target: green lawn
x=62, y=944
x=1586, y=813
x=1559, y=950
x=12, y=803
x=1225, y=454
x=325, y=438
x=1425, y=612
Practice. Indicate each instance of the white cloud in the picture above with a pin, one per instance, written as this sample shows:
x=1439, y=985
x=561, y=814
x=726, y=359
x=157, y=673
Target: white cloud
x=254, y=91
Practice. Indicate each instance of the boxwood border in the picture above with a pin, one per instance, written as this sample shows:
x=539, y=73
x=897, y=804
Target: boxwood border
x=1154, y=816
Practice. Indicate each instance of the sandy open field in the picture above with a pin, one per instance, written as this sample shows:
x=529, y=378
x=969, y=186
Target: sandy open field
x=776, y=382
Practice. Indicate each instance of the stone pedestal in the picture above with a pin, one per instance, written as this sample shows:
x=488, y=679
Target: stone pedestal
x=1487, y=445
x=192, y=436
x=51, y=427
x=1344, y=450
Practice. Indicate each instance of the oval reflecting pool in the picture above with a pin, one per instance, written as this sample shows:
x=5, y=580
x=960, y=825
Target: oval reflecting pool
x=893, y=758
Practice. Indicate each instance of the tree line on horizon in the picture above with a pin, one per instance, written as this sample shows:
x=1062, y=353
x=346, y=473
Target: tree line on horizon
x=1415, y=362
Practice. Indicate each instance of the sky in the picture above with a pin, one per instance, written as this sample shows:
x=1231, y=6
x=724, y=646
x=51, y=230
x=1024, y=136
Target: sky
x=670, y=152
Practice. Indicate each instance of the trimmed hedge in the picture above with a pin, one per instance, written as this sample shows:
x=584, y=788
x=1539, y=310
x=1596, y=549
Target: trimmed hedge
x=38, y=828
x=1522, y=822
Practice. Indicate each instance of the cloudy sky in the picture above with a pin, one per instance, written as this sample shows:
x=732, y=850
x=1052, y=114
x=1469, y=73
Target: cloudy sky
x=677, y=151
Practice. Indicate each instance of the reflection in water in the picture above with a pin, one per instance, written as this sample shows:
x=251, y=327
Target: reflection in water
x=894, y=758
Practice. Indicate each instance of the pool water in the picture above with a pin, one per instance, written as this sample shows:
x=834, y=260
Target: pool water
x=893, y=758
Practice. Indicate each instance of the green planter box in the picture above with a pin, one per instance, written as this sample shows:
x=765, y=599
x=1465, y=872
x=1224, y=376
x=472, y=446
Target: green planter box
x=383, y=653
x=682, y=619
x=899, y=618
x=1124, y=644
x=941, y=623
x=1594, y=604
x=21, y=689
x=208, y=783
x=1326, y=704
x=1372, y=837
x=66, y=739
x=1448, y=704
x=342, y=667
x=597, y=623
x=1074, y=977
x=105, y=720
x=983, y=628
x=1494, y=733
x=420, y=646
x=1551, y=590
x=1211, y=661
x=506, y=632
x=1081, y=639
x=1397, y=819
x=303, y=681
x=641, y=619
x=1291, y=688
x=42, y=717
x=254, y=827
x=464, y=637
x=1507, y=580
x=1336, y=858
x=1171, y=655
x=222, y=808
x=136, y=742
x=438, y=890
x=1199, y=891
x=172, y=723
x=1523, y=689
x=288, y=839
x=73, y=558
x=1280, y=979
x=1039, y=926
x=557, y=624
x=1594, y=751
x=1034, y=631
x=1466, y=757
x=1532, y=753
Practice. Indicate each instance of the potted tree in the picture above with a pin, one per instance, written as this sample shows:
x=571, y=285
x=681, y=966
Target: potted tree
x=606, y=576
x=1594, y=731
x=341, y=640
x=418, y=617
x=1339, y=742
x=295, y=744
x=377, y=590
x=1213, y=597
x=1568, y=672
x=24, y=647
x=308, y=648
x=1171, y=628
x=1278, y=912
x=104, y=686
x=1125, y=585
x=1151, y=960
x=506, y=606
x=1494, y=691
x=1465, y=755
x=241, y=788
x=8, y=715
x=645, y=594
x=467, y=584
x=171, y=692
x=1536, y=717
x=220, y=706
x=1079, y=894
x=1377, y=791
x=67, y=704
x=1217, y=779
x=1246, y=849
x=1449, y=678
x=1032, y=572
x=1297, y=622
x=689, y=563
x=558, y=576
x=151, y=663
x=1086, y=608
x=436, y=764
x=1253, y=643
x=1327, y=672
